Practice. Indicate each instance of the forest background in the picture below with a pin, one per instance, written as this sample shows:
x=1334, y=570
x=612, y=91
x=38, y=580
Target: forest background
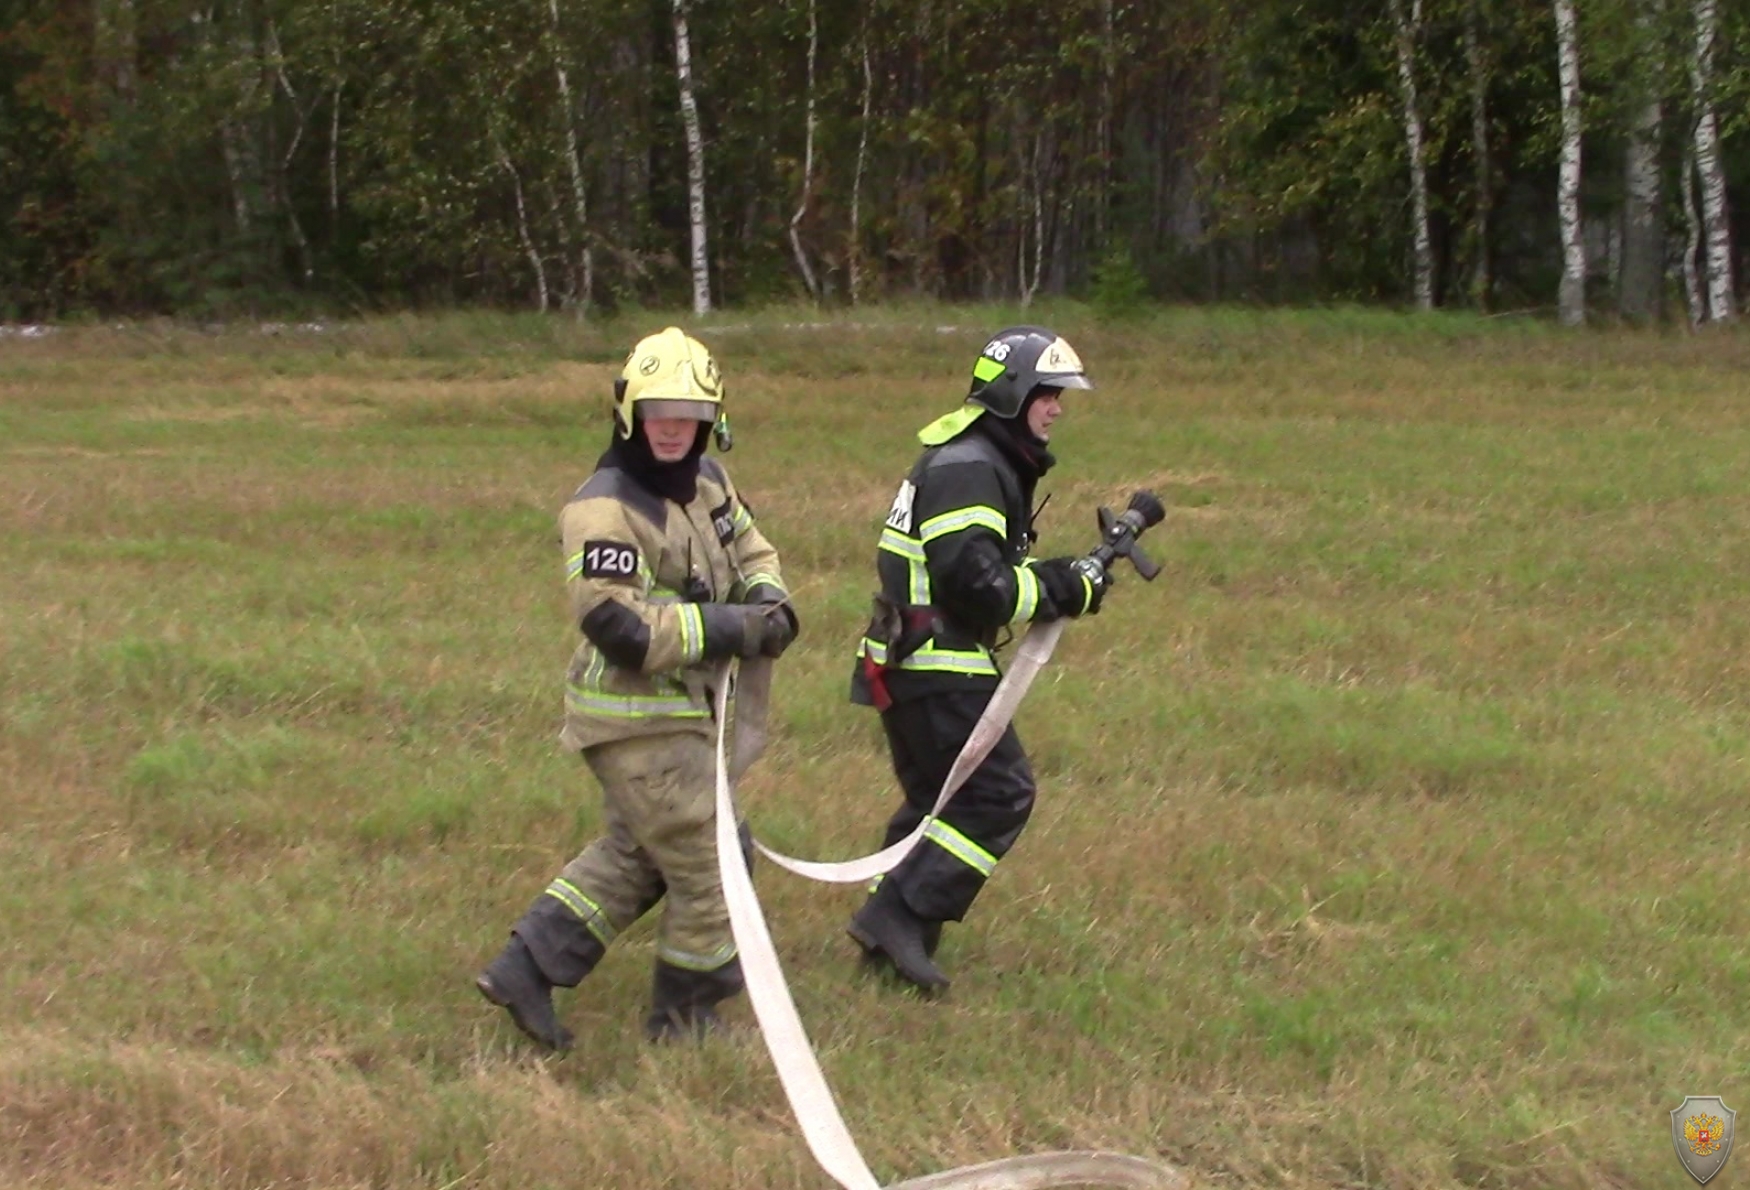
x=213, y=158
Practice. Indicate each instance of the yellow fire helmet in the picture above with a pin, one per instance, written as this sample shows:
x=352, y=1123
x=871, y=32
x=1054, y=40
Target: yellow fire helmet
x=670, y=374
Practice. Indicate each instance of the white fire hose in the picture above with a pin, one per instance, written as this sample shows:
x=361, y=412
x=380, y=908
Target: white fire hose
x=753, y=692
x=823, y=1128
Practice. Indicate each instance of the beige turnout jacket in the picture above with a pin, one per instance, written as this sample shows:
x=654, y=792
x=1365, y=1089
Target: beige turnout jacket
x=658, y=560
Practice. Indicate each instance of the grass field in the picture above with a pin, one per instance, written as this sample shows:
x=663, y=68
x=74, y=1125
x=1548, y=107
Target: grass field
x=1396, y=837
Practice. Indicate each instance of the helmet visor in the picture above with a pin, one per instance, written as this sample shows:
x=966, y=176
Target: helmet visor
x=1064, y=380
x=660, y=407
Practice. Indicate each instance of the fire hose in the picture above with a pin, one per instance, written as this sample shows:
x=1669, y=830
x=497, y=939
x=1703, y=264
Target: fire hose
x=1118, y=534
x=799, y=1072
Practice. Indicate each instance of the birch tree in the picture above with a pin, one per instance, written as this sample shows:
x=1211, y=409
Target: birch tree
x=807, y=161
x=1693, y=293
x=683, y=66
x=583, y=284
x=1406, y=28
x=283, y=167
x=855, y=255
x=524, y=236
x=1477, y=64
x=1717, y=231
x=1031, y=197
x=235, y=43
x=1571, y=300
x=1642, y=238
x=1103, y=128
x=1642, y=275
x=115, y=47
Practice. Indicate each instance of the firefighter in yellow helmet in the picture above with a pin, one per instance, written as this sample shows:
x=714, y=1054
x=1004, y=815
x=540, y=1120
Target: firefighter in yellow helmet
x=668, y=576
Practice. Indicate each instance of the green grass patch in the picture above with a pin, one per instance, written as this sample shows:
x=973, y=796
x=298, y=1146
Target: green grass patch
x=1394, y=838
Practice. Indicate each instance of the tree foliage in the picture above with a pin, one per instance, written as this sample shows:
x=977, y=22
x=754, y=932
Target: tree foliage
x=239, y=155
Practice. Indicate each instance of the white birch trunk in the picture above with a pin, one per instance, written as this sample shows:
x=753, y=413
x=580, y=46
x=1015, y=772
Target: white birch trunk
x=1034, y=191
x=856, y=253
x=522, y=228
x=683, y=66
x=236, y=143
x=1640, y=289
x=585, y=281
x=1103, y=134
x=1710, y=171
x=1571, y=300
x=1692, y=293
x=1407, y=28
x=807, y=162
x=334, y=159
x=242, y=166
x=283, y=167
x=1478, y=62
x=1642, y=243
x=115, y=37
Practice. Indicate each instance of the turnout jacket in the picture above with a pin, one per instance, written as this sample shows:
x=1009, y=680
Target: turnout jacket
x=952, y=563
x=637, y=567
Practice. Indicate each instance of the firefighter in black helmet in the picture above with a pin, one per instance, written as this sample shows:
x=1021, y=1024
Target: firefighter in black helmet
x=954, y=571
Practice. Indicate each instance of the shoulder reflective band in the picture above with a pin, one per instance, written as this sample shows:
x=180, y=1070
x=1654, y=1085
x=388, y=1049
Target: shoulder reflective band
x=1030, y=657
x=823, y=1128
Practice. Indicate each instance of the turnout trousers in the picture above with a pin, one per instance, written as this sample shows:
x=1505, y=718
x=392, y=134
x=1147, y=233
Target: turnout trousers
x=659, y=844
x=943, y=875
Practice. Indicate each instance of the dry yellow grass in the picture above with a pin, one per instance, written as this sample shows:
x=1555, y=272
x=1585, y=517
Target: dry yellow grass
x=1393, y=839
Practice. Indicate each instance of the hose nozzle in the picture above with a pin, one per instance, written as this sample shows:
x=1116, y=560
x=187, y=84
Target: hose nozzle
x=1118, y=534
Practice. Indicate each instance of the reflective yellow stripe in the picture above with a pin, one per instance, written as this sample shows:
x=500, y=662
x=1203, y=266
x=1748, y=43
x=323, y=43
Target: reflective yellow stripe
x=895, y=542
x=917, y=577
x=692, y=632
x=742, y=521
x=692, y=621
x=587, y=701
x=960, y=661
x=696, y=962
x=960, y=847
x=761, y=578
x=1026, y=594
x=590, y=913
x=964, y=518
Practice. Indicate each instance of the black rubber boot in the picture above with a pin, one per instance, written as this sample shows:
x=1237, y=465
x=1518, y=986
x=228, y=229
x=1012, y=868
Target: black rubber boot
x=514, y=982
x=932, y=937
x=932, y=943
x=886, y=926
x=683, y=1002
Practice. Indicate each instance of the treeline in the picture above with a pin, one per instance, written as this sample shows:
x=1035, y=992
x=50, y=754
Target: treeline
x=254, y=155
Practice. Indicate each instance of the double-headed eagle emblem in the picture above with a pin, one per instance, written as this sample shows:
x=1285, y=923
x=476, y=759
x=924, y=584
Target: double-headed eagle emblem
x=1703, y=1134
x=1701, y=1131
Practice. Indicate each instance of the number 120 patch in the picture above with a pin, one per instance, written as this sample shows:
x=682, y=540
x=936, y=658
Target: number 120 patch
x=608, y=559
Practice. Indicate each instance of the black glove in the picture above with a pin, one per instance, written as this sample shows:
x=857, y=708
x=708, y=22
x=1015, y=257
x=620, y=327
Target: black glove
x=780, y=631
x=745, y=630
x=1066, y=590
x=771, y=596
